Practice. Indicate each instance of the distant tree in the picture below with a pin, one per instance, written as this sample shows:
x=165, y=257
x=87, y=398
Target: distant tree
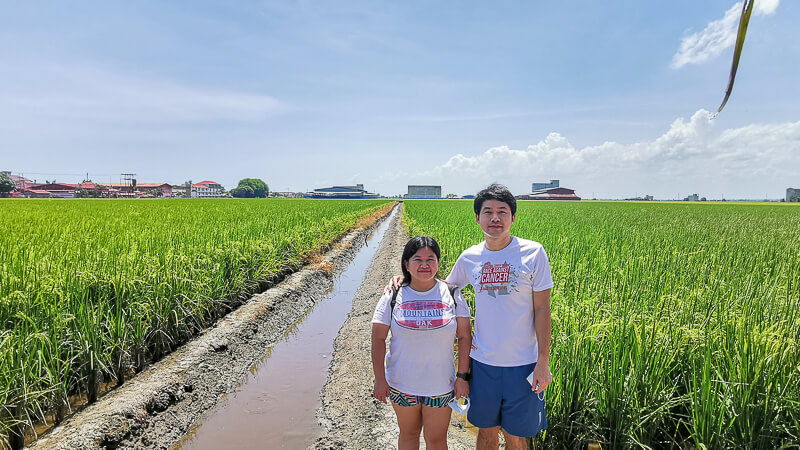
x=6, y=183
x=243, y=192
x=251, y=188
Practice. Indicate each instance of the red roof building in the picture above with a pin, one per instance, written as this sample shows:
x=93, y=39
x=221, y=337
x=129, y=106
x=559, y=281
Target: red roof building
x=21, y=182
x=104, y=190
x=207, y=189
x=33, y=193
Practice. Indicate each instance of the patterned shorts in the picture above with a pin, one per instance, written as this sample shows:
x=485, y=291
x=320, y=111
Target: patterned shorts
x=401, y=399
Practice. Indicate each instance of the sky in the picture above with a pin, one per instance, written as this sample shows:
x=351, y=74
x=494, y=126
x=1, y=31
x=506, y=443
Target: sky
x=611, y=98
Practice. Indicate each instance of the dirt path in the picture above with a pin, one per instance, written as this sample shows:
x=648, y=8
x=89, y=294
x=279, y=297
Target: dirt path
x=350, y=417
x=157, y=407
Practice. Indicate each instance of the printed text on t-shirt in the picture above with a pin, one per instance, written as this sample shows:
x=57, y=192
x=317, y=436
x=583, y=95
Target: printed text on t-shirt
x=495, y=273
x=423, y=315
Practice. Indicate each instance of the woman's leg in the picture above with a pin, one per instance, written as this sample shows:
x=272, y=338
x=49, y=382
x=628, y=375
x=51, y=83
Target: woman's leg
x=434, y=426
x=409, y=419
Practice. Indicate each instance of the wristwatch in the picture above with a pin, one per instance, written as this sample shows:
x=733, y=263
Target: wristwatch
x=463, y=375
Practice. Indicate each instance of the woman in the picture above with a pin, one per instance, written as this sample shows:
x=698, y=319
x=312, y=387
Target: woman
x=418, y=373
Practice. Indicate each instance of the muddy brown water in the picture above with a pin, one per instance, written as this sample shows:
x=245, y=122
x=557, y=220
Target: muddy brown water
x=275, y=406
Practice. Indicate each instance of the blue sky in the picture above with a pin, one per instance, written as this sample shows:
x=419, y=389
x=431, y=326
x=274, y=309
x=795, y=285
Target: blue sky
x=610, y=97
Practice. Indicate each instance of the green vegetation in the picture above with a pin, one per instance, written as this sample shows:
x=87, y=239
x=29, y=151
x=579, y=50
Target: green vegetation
x=250, y=188
x=6, y=183
x=92, y=290
x=674, y=325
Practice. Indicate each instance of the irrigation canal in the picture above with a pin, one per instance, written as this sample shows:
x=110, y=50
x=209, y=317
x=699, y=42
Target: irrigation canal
x=275, y=406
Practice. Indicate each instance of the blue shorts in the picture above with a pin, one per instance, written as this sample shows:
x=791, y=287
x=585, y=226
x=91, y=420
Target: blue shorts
x=502, y=396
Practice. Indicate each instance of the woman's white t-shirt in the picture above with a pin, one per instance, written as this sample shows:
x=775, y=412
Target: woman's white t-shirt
x=420, y=360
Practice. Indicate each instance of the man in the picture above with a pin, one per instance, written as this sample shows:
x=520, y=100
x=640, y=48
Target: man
x=512, y=282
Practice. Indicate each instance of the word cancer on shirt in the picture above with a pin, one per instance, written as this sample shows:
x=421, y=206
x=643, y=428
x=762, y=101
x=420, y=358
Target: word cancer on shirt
x=495, y=273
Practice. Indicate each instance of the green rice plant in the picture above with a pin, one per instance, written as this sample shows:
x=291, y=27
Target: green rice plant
x=93, y=290
x=674, y=325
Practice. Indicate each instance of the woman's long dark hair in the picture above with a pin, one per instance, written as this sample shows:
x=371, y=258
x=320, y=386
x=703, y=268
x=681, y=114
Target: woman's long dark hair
x=412, y=247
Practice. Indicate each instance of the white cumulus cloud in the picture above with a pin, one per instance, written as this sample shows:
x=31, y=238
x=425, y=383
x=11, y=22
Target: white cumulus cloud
x=689, y=156
x=717, y=36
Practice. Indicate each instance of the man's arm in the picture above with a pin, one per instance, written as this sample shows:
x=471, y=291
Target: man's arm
x=544, y=331
x=457, y=275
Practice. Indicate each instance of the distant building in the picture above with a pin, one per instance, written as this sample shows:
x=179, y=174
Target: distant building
x=29, y=189
x=33, y=193
x=550, y=193
x=540, y=186
x=56, y=190
x=692, y=198
x=424, y=192
x=207, y=189
x=646, y=198
x=20, y=181
x=128, y=190
x=792, y=195
x=345, y=192
x=286, y=194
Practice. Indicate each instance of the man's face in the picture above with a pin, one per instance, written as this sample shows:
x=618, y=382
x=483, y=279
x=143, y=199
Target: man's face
x=495, y=218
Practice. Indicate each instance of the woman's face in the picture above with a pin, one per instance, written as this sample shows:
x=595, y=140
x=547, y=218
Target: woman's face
x=423, y=265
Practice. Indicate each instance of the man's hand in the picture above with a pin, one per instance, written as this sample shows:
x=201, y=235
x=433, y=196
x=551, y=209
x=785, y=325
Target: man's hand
x=462, y=388
x=541, y=377
x=381, y=390
x=396, y=281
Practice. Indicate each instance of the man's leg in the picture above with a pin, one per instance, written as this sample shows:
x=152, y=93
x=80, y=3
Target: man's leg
x=487, y=438
x=514, y=442
x=523, y=411
x=486, y=396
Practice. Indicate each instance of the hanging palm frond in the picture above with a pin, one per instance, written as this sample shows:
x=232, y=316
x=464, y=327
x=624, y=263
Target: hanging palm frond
x=747, y=9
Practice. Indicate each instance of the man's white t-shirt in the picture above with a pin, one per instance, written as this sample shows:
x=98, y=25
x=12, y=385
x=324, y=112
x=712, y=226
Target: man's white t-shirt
x=504, y=282
x=423, y=328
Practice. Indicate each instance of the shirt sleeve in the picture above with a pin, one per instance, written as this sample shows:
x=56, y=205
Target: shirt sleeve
x=458, y=275
x=383, y=313
x=462, y=309
x=542, y=277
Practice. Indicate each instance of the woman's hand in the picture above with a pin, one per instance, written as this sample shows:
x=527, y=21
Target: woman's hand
x=396, y=281
x=462, y=388
x=381, y=390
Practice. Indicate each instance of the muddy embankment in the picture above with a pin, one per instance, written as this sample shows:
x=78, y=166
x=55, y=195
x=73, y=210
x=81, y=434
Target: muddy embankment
x=158, y=406
x=350, y=417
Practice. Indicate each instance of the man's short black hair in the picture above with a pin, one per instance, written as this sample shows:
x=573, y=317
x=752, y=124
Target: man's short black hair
x=495, y=192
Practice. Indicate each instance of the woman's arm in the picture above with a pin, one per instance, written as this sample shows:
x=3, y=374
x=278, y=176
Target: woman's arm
x=381, y=387
x=464, y=333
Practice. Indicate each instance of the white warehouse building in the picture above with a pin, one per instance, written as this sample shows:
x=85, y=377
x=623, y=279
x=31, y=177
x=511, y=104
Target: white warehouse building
x=424, y=192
